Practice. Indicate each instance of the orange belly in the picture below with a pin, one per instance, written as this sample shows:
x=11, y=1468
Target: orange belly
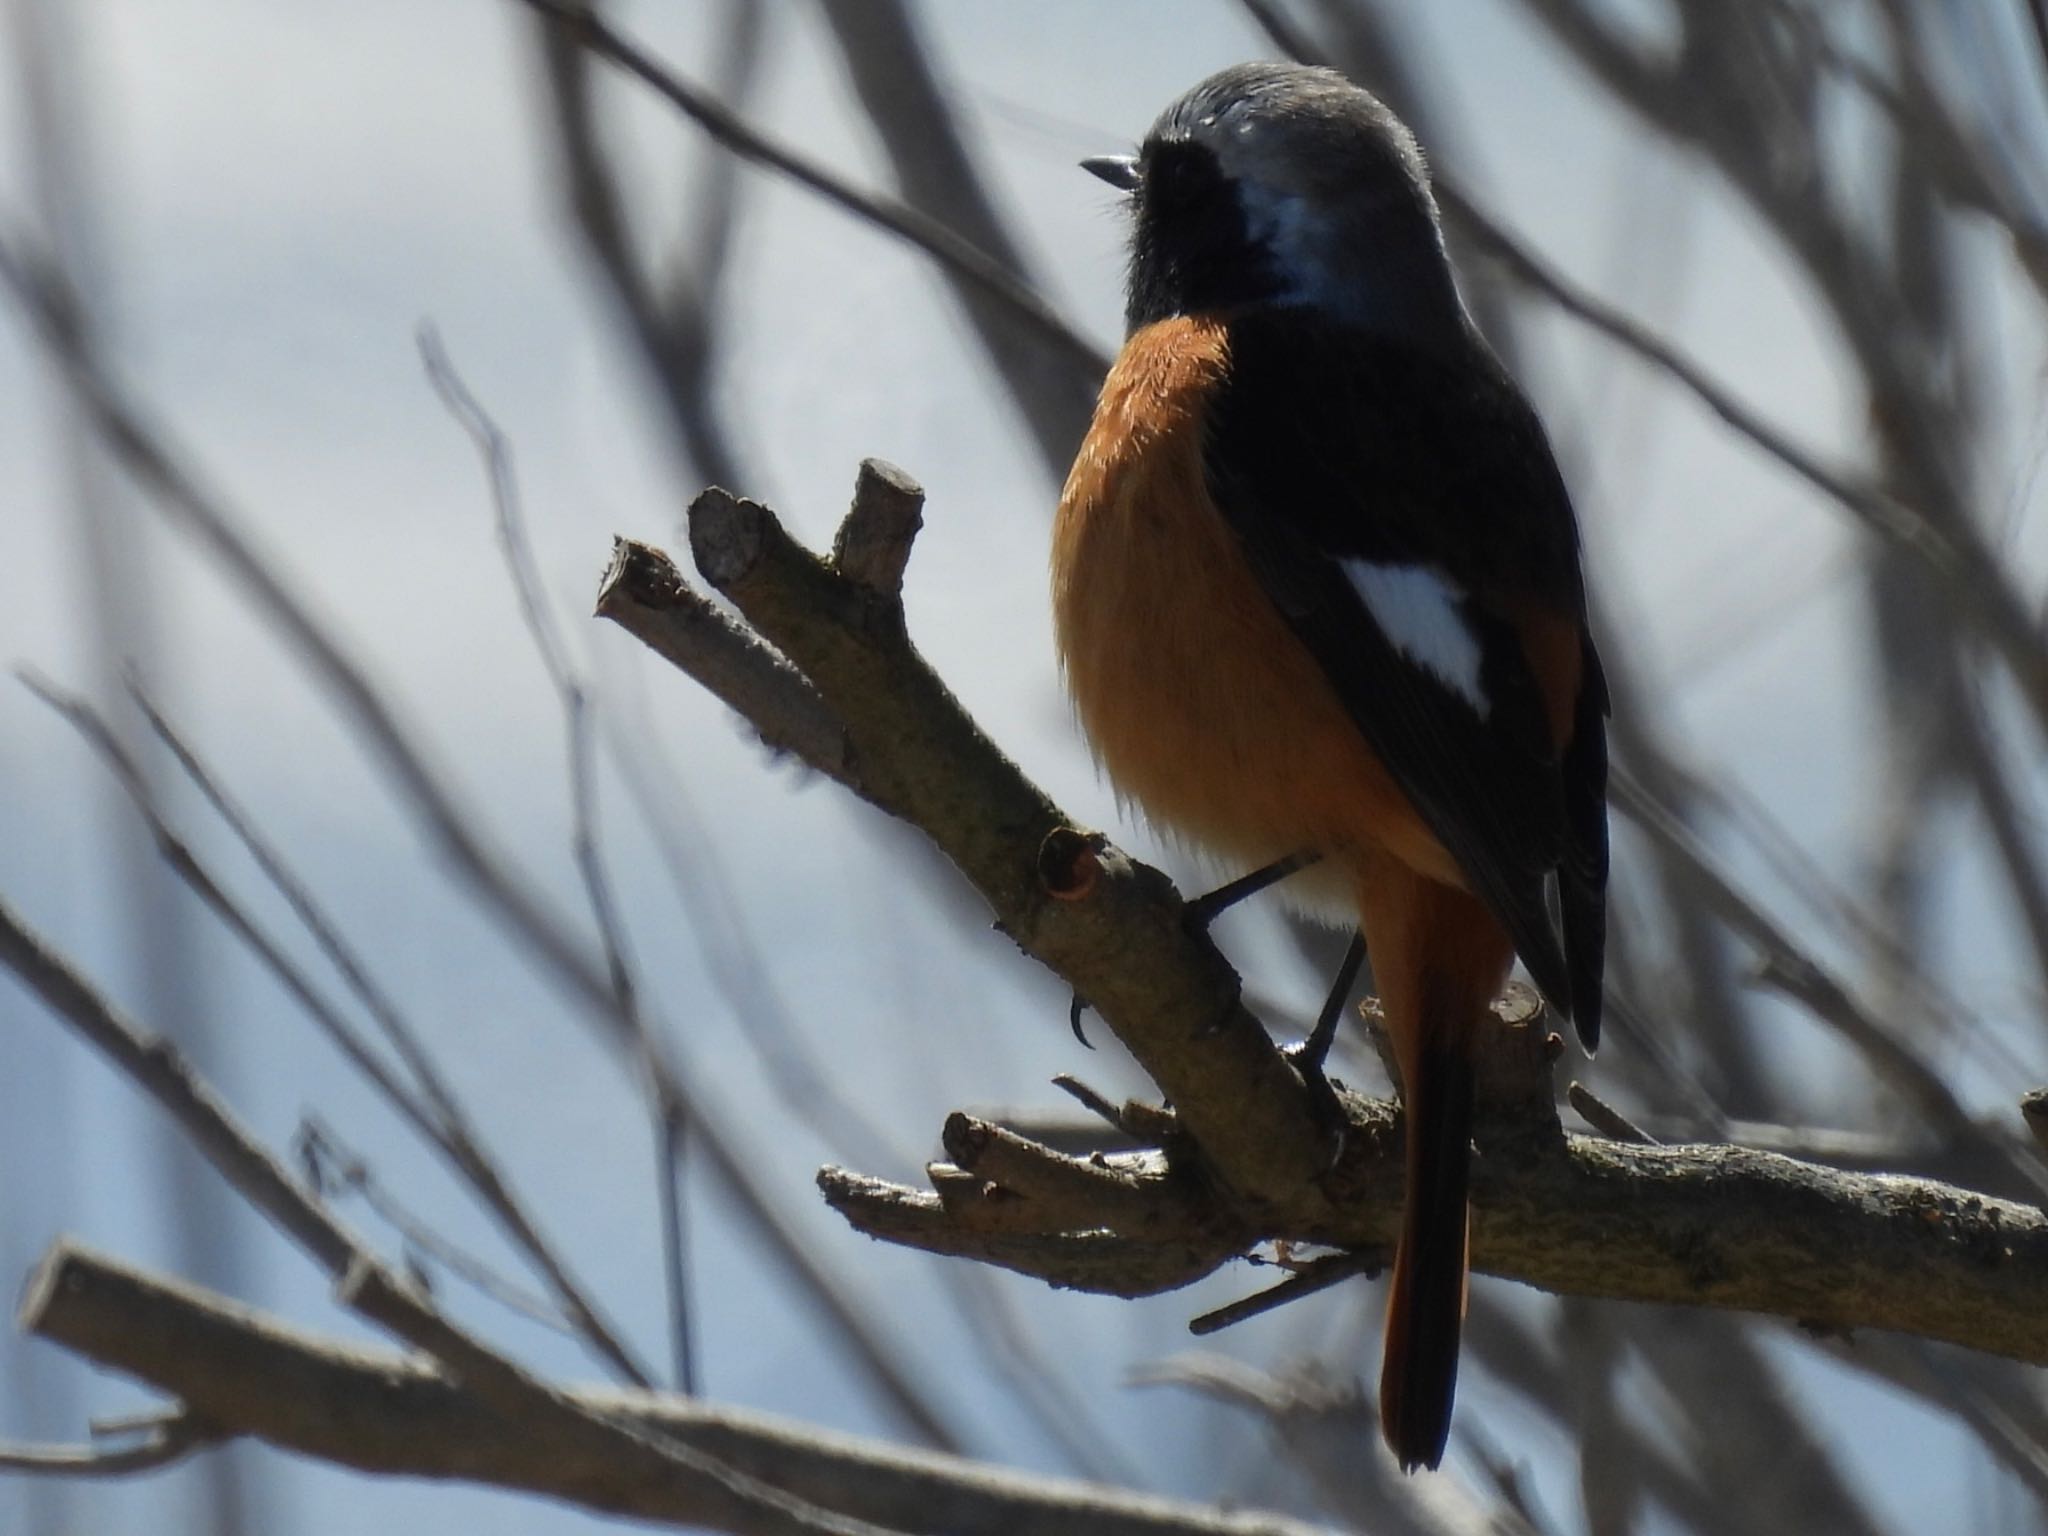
x=1200, y=703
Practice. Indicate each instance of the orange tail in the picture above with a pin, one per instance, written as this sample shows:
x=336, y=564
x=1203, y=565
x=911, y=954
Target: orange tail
x=1426, y=1308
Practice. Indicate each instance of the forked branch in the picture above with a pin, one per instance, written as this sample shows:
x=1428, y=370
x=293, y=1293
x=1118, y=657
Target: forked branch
x=1243, y=1157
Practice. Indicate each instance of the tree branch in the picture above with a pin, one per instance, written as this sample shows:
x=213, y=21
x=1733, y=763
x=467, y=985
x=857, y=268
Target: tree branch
x=1117, y=936
x=243, y=1373
x=575, y=22
x=1715, y=1226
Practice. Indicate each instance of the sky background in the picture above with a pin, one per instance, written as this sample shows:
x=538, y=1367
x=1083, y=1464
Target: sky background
x=281, y=196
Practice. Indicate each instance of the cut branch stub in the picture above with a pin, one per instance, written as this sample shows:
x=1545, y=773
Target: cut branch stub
x=873, y=544
x=1068, y=862
x=644, y=594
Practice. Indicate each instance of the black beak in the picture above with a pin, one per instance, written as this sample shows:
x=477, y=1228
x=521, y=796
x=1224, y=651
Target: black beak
x=1120, y=171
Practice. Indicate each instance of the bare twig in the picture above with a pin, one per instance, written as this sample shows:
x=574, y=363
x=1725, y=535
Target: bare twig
x=179, y=495
x=187, y=865
x=168, y=1440
x=728, y=1499
x=581, y=26
x=1316, y=1275
x=897, y=79
x=433, y=1111
x=330, y=1165
x=671, y=1126
x=1604, y=1117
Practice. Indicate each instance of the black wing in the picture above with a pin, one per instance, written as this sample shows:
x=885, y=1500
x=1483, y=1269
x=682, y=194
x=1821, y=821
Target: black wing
x=1326, y=448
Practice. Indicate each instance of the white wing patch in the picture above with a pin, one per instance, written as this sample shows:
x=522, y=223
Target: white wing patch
x=1416, y=607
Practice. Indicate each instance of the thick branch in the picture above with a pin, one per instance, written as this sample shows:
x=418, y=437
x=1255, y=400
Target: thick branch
x=1717, y=1226
x=1117, y=936
x=244, y=1373
x=1699, y=1225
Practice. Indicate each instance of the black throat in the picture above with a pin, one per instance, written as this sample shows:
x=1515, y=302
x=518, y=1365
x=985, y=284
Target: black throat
x=1191, y=249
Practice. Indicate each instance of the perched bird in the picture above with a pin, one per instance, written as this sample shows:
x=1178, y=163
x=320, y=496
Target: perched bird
x=1316, y=591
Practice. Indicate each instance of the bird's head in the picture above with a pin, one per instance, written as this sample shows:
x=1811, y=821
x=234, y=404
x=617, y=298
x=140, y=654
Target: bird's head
x=1279, y=184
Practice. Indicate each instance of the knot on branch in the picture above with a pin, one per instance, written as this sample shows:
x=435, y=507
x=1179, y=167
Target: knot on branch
x=1514, y=1090
x=1069, y=862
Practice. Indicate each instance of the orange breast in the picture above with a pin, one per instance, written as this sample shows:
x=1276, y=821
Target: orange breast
x=1199, y=701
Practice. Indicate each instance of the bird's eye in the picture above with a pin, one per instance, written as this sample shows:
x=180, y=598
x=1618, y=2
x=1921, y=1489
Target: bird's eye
x=1179, y=175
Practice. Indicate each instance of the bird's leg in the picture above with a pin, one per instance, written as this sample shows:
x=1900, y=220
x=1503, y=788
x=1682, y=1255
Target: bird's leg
x=1206, y=908
x=1309, y=1056
x=1312, y=1052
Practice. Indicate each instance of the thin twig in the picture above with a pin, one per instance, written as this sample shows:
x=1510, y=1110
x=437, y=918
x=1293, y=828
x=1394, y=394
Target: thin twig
x=170, y=1439
x=1604, y=1117
x=439, y=1120
x=1316, y=1275
x=363, y=1283
x=330, y=1164
x=935, y=240
x=178, y=494
x=671, y=1129
x=178, y=854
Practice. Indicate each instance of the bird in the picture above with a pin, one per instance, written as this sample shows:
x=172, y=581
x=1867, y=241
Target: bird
x=1318, y=599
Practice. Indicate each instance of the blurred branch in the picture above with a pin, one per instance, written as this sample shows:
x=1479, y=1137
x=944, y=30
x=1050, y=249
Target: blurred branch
x=179, y=495
x=1717, y=1226
x=893, y=72
x=1979, y=594
x=1702, y=1363
x=1534, y=1367
x=245, y=1373
x=432, y=1110
x=709, y=1492
x=671, y=1121
x=1323, y=1424
x=575, y=23
x=1997, y=1402
x=1786, y=967
x=673, y=322
x=447, y=1127
x=1976, y=589
x=332, y=1168
x=171, y=1438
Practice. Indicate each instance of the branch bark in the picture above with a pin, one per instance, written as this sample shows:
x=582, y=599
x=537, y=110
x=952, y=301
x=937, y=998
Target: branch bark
x=243, y=1373
x=1243, y=1156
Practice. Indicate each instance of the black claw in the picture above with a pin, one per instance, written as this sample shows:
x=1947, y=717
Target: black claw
x=1074, y=1011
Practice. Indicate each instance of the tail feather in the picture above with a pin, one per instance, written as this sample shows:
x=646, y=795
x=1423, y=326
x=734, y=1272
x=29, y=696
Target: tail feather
x=1426, y=1308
